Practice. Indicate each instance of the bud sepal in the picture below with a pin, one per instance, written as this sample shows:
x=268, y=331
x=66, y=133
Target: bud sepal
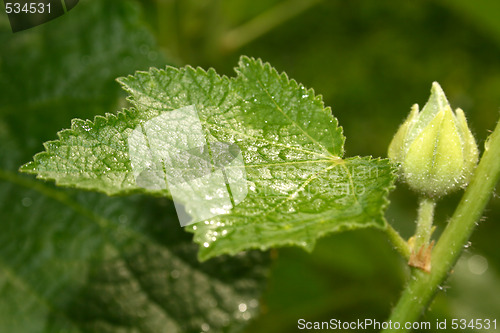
x=434, y=148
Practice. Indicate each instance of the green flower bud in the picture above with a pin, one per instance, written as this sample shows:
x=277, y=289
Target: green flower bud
x=434, y=148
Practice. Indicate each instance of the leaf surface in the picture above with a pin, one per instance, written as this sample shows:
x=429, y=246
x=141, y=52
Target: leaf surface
x=297, y=185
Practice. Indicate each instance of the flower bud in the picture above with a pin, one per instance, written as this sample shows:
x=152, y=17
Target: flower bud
x=434, y=148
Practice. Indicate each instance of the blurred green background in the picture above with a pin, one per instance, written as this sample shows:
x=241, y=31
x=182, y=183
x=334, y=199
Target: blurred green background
x=371, y=60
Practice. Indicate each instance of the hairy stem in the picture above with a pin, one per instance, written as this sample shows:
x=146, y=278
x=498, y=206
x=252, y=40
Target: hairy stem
x=398, y=242
x=424, y=222
x=423, y=286
x=168, y=29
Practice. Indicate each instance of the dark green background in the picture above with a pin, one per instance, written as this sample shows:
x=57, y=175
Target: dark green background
x=371, y=60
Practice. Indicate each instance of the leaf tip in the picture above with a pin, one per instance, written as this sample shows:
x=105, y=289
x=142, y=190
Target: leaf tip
x=30, y=167
x=245, y=60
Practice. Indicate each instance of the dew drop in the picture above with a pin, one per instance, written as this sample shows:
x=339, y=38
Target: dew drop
x=144, y=48
x=123, y=219
x=26, y=202
x=205, y=327
x=477, y=264
x=242, y=307
x=175, y=274
x=86, y=127
x=253, y=303
x=152, y=55
x=206, y=244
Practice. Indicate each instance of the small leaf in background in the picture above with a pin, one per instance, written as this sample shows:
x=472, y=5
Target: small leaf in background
x=67, y=67
x=86, y=262
x=299, y=187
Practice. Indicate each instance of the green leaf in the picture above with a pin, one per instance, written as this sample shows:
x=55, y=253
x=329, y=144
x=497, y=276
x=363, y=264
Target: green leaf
x=298, y=185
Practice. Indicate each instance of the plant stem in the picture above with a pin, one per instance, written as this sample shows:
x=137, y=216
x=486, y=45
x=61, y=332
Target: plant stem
x=422, y=286
x=398, y=242
x=169, y=30
x=424, y=222
x=264, y=23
